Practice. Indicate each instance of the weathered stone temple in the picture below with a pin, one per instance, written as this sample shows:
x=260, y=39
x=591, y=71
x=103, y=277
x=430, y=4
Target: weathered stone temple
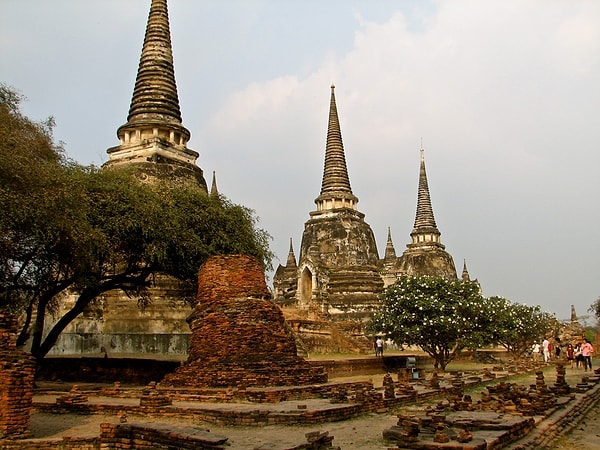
x=153, y=143
x=326, y=295
x=338, y=254
x=335, y=286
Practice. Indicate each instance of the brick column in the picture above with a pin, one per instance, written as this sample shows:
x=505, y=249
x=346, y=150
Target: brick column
x=17, y=371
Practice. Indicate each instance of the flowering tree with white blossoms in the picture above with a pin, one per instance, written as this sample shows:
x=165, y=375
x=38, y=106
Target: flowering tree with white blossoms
x=517, y=326
x=441, y=316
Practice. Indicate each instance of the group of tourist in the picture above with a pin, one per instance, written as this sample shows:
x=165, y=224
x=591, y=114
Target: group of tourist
x=579, y=355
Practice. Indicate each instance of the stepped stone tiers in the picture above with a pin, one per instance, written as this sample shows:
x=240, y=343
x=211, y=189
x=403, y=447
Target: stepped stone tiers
x=425, y=255
x=337, y=268
x=154, y=140
x=17, y=372
x=239, y=336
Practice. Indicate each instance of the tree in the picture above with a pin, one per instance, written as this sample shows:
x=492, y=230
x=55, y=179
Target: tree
x=516, y=327
x=595, y=308
x=441, y=316
x=37, y=204
x=71, y=229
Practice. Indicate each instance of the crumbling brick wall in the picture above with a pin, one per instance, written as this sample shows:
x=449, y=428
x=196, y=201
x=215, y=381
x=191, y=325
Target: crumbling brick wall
x=17, y=371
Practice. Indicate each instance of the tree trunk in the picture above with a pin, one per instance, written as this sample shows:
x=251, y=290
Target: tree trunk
x=38, y=326
x=84, y=299
x=40, y=316
x=25, y=331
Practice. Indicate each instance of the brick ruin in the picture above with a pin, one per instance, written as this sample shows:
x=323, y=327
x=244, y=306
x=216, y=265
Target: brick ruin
x=239, y=336
x=508, y=412
x=17, y=372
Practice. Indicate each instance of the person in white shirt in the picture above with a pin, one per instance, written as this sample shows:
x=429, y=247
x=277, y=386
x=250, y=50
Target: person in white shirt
x=546, y=348
x=535, y=351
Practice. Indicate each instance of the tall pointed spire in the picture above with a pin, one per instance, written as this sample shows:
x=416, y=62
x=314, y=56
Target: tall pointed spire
x=335, y=173
x=425, y=229
x=573, y=315
x=335, y=188
x=214, y=192
x=465, y=272
x=426, y=255
x=291, y=259
x=390, y=251
x=155, y=93
x=154, y=138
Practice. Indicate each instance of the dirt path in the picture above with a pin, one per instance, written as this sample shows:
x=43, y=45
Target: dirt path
x=586, y=435
x=364, y=432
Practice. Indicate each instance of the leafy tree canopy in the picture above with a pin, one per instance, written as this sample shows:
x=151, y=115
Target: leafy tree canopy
x=441, y=316
x=595, y=308
x=69, y=228
x=517, y=327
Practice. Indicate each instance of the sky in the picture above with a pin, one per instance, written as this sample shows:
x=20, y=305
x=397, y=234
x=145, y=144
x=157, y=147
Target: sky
x=502, y=95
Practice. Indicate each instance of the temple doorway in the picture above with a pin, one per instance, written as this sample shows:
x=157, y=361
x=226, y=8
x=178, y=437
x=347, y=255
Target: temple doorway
x=306, y=287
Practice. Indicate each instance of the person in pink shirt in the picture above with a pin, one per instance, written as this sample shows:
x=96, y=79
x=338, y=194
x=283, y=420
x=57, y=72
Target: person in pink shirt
x=587, y=350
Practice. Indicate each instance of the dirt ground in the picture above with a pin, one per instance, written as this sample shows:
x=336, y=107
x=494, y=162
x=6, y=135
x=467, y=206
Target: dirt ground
x=586, y=435
x=364, y=432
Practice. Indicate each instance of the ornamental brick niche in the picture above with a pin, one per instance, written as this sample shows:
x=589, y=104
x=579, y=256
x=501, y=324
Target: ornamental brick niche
x=17, y=372
x=239, y=336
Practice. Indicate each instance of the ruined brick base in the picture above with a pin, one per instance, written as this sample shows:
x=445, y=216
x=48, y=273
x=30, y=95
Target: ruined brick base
x=239, y=336
x=290, y=372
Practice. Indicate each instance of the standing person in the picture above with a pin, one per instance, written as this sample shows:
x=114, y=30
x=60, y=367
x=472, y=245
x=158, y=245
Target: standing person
x=587, y=351
x=570, y=354
x=535, y=351
x=578, y=356
x=375, y=347
x=379, y=344
x=546, y=349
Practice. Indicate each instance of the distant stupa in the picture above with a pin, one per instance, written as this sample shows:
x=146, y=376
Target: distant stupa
x=425, y=255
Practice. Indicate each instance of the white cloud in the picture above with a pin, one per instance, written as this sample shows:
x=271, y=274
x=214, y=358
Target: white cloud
x=489, y=86
x=504, y=95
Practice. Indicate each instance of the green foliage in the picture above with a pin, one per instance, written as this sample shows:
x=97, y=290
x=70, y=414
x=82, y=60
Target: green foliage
x=199, y=226
x=68, y=228
x=595, y=308
x=37, y=204
x=517, y=326
x=441, y=316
